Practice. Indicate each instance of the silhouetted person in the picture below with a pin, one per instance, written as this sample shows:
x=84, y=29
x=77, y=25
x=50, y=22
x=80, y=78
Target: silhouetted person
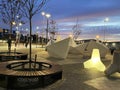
x=17, y=39
x=9, y=44
x=26, y=40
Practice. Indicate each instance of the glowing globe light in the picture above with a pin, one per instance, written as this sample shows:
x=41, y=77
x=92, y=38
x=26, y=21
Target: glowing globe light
x=97, y=36
x=70, y=35
x=106, y=19
x=95, y=61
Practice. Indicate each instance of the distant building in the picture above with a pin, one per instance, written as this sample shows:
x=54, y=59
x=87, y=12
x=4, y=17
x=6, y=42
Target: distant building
x=4, y=33
x=85, y=41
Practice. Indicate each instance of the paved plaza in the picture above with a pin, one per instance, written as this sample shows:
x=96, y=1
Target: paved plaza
x=75, y=76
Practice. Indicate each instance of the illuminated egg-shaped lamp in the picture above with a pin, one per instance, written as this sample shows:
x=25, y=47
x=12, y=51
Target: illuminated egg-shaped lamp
x=95, y=61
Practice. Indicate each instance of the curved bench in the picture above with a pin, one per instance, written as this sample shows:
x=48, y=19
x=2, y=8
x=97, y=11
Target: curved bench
x=42, y=77
x=5, y=56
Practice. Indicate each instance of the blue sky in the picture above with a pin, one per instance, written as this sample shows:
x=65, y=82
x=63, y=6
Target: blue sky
x=89, y=13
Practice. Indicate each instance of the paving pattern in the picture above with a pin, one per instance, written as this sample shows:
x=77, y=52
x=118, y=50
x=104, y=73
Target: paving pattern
x=104, y=83
x=75, y=76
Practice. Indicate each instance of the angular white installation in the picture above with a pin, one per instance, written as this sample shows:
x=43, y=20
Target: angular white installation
x=60, y=49
x=86, y=49
x=102, y=48
x=115, y=64
x=78, y=49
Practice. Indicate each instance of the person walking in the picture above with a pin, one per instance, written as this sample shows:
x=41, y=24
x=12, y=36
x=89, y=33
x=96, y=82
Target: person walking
x=26, y=40
x=9, y=44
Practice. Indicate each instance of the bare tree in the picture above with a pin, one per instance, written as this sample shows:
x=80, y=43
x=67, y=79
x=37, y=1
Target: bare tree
x=53, y=29
x=76, y=31
x=31, y=8
x=9, y=10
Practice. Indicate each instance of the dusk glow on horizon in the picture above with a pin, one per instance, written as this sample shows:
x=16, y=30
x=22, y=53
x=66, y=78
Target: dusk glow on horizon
x=89, y=14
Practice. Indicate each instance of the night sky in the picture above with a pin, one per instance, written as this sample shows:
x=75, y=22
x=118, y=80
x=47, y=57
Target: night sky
x=90, y=14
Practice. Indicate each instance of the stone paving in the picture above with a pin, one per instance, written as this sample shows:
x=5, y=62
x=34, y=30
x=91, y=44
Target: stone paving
x=104, y=83
x=75, y=76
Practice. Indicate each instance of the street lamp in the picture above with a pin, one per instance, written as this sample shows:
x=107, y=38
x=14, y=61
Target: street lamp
x=19, y=24
x=37, y=35
x=105, y=20
x=47, y=15
x=13, y=23
x=43, y=13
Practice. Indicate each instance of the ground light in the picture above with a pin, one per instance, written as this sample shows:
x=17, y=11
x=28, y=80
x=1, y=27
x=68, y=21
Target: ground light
x=95, y=61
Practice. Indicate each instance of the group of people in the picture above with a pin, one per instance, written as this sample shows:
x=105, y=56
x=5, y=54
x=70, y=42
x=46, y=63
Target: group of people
x=17, y=41
x=25, y=40
x=20, y=38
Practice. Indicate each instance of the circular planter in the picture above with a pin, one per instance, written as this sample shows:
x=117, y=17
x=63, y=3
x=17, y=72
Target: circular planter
x=5, y=56
x=24, y=76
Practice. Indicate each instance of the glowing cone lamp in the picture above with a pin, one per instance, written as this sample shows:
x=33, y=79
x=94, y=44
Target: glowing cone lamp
x=95, y=61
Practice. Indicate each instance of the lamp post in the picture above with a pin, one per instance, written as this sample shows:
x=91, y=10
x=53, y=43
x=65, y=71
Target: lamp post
x=47, y=15
x=18, y=32
x=18, y=24
x=43, y=14
x=105, y=20
x=37, y=35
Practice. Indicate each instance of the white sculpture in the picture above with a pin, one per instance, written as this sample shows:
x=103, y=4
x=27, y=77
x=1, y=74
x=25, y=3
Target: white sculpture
x=115, y=64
